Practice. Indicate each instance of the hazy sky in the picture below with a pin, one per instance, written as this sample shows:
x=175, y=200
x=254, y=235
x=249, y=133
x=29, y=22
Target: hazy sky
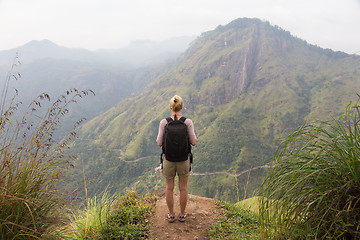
x=96, y=24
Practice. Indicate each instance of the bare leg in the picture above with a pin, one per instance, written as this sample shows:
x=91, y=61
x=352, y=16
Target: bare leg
x=183, y=193
x=169, y=195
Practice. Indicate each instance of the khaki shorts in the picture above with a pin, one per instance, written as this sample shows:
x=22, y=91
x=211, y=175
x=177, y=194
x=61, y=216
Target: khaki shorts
x=170, y=169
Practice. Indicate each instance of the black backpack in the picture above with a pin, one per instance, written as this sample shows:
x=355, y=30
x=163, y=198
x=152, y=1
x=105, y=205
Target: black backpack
x=176, y=145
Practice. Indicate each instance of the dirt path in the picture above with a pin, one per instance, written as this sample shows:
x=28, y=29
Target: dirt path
x=201, y=214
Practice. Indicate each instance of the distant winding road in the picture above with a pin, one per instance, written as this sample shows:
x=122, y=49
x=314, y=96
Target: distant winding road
x=230, y=174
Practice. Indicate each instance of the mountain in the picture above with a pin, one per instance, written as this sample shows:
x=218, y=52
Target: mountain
x=48, y=67
x=45, y=49
x=244, y=85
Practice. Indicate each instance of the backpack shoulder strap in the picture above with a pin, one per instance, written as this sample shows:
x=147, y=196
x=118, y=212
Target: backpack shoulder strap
x=169, y=119
x=182, y=119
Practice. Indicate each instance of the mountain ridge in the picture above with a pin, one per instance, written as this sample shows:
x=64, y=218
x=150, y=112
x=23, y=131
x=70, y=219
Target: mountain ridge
x=244, y=85
x=137, y=54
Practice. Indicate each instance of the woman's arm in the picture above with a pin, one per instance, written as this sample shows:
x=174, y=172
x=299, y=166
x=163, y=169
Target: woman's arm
x=160, y=135
x=191, y=131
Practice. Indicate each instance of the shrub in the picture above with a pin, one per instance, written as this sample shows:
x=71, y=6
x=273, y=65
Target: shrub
x=312, y=189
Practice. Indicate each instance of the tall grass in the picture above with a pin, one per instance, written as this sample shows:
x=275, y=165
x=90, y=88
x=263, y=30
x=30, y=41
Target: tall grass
x=122, y=217
x=86, y=224
x=312, y=190
x=31, y=161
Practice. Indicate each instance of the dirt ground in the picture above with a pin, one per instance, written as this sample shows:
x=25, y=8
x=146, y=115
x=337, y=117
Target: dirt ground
x=201, y=214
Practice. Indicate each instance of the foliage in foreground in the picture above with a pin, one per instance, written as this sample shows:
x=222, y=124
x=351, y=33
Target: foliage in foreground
x=235, y=223
x=313, y=188
x=123, y=217
x=31, y=162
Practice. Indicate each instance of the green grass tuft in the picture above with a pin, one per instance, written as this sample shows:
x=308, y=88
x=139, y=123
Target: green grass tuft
x=124, y=217
x=235, y=223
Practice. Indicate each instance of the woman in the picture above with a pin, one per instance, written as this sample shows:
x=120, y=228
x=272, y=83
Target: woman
x=182, y=168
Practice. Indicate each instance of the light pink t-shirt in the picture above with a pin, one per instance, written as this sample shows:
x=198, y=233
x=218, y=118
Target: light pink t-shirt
x=190, y=127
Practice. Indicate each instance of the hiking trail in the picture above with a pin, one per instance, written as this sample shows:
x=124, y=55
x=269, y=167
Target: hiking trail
x=201, y=214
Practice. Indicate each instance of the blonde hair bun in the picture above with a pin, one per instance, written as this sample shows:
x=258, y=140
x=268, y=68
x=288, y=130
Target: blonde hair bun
x=176, y=103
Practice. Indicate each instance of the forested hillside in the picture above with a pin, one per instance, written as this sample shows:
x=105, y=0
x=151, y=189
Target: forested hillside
x=244, y=85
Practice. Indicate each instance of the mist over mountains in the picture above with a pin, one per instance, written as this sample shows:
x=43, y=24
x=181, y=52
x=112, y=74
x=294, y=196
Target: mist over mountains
x=111, y=74
x=137, y=54
x=145, y=52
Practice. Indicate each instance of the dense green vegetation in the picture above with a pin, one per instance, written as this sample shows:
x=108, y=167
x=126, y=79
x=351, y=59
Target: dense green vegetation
x=244, y=85
x=312, y=190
